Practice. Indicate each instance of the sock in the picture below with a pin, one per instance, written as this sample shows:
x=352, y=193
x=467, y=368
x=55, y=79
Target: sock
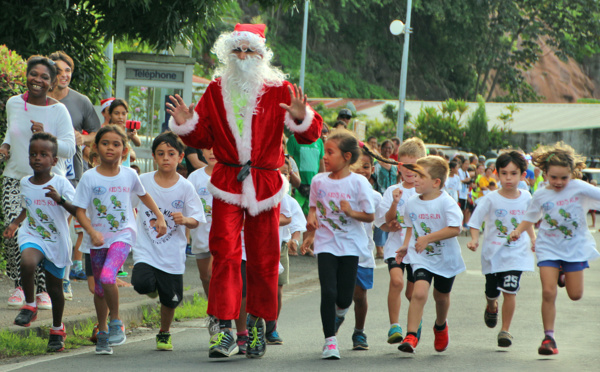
x=394, y=324
x=59, y=328
x=412, y=333
x=271, y=326
x=161, y=331
x=245, y=333
x=549, y=332
x=78, y=265
x=32, y=304
x=67, y=272
x=224, y=324
x=331, y=340
x=439, y=327
x=340, y=313
x=356, y=330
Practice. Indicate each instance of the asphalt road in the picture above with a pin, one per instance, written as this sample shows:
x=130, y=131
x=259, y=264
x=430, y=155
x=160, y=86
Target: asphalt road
x=472, y=344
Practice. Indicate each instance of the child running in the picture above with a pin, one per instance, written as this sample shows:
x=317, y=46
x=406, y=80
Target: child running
x=390, y=216
x=432, y=249
x=366, y=264
x=339, y=202
x=564, y=243
x=159, y=262
x=45, y=238
x=503, y=260
x=106, y=192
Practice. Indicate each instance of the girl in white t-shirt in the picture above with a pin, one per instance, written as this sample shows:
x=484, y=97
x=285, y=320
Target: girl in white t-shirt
x=339, y=202
x=106, y=192
x=503, y=260
x=564, y=243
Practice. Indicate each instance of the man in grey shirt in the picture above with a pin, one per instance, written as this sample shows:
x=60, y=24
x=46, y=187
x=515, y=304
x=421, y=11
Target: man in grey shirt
x=80, y=108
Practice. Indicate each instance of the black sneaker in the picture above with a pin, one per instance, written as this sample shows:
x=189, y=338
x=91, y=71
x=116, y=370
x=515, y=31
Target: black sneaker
x=257, y=343
x=56, y=342
x=490, y=319
x=222, y=345
x=338, y=323
x=359, y=341
x=273, y=338
x=561, y=279
x=548, y=346
x=242, y=343
x=27, y=315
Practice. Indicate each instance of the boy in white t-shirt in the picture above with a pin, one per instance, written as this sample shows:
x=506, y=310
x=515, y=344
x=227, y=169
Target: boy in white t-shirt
x=159, y=262
x=453, y=183
x=432, y=249
x=390, y=217
x=44, y=238
x=503, y=260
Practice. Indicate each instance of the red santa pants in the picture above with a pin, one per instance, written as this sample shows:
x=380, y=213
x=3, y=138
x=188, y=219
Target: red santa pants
x=261, y=234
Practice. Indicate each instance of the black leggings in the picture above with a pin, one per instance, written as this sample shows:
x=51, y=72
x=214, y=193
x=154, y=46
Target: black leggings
x=337, y=275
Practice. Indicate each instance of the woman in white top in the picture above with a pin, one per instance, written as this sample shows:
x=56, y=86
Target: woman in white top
x=29, y=113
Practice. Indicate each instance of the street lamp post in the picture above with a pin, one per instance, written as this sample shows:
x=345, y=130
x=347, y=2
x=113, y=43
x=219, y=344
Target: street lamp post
x=304, y=34
x=397, y=28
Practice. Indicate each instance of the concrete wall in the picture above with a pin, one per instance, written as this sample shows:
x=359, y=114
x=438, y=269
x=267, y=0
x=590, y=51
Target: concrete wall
x=584, y=141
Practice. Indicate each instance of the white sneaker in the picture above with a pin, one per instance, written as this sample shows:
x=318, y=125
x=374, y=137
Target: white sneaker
x=331, y=350
x=68, y=293
x=43, y=301
x=16, y=298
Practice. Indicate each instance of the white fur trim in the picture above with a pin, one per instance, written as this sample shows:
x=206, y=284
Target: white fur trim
x=247, y=199
x=302, y=127
x=185, y=128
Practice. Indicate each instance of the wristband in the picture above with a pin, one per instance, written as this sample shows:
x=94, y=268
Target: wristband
x=63, y=200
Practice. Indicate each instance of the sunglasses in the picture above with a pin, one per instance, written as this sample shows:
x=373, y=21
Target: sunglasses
x=345, y=116
x=243, y=49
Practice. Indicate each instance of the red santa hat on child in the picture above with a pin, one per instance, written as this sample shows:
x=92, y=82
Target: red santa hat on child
x=106, y=103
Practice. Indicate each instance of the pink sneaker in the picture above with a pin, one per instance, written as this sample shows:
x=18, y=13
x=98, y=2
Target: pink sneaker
x=43, y=301
x=17, y=298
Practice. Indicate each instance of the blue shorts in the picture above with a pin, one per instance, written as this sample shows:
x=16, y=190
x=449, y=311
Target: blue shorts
x=567, y=267
x=364, y=277
x=47, y=265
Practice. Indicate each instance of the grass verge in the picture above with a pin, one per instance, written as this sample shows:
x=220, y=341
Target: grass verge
x=186, y=310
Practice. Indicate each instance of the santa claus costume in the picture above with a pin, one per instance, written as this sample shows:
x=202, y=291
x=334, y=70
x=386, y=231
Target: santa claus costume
x=241, y=116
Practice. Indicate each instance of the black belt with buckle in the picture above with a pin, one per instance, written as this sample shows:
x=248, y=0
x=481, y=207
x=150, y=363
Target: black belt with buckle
x=245, y=171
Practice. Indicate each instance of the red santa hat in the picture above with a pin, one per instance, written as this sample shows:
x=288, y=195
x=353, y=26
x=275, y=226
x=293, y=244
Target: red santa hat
x=250, y=30
x=106, y=103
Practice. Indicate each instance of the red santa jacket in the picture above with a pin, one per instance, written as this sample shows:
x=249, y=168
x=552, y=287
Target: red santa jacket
x=213, y=126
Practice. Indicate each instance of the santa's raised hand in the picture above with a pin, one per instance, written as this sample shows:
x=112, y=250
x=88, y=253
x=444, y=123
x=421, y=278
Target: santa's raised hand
x=179, y=110
x=297, y=107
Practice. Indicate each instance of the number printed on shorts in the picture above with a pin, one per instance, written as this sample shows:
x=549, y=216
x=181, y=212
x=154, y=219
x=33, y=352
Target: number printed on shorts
x=511, y=281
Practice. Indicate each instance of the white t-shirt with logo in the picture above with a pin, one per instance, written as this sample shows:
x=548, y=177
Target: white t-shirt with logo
x=46, y=222
x=108, y=201
x=396, y=238
x=368, y=262
x=199, y=180
x=443, y=257
x=339, y=234
x=563, y=233
x=501, y=216
x=166, y=253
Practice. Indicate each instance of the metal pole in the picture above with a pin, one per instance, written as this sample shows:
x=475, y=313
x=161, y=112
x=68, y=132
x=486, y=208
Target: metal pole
x=108, y=53
x=304, y=33
x=402, y=97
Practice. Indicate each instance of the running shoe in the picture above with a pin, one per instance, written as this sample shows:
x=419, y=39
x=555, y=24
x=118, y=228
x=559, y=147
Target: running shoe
x=27, y=315
x=561, y=278
x=213, y=325
x=16, y=298
x=188, y=251
x=331, y=350
x=242, y=343
x=102, y=346
x=222, y=345
x=490, y=318
x=441, y=339
x=56, y=342
x=419, y=330
x=257, y=345
x=410, y=344
x=338, y=323
x=548, y=346
x=94, y=336
x=116, y=331
x=273, y=338
x=163, y=341
x=67, y=290
x=43, y=301
x=395, y=335
x=122, y=274
x=504, y=339
x=77, y=274
x=359, y=341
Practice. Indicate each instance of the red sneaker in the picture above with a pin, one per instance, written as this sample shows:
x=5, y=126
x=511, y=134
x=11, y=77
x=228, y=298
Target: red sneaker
x=548, y=346
x=56, y=342
x=441, y=339
x=409, y=344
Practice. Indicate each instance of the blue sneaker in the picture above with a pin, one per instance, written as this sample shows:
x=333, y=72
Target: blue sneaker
x=395, y=335
x=338, y=323
x=359, y=341
x=68, y=293
x=102, y=346
x=419, y=331
x=188, y=251
x=273, y=338
x=77, y=275
x=116, y=331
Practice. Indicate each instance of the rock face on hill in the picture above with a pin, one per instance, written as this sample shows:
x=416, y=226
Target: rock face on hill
x=564, y=82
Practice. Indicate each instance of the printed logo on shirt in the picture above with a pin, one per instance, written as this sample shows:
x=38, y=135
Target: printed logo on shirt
x=99, y=190
x=149, y=223
x=500, y=213
x=321, y=194
x=548, y=206
x=207, y=208
x=178, y=204
x=42, y=226
x=28, y=202
x=203, y=191
x=413, y=216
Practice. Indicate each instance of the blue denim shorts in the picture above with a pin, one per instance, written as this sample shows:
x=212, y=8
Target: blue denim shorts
x=567, y=267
